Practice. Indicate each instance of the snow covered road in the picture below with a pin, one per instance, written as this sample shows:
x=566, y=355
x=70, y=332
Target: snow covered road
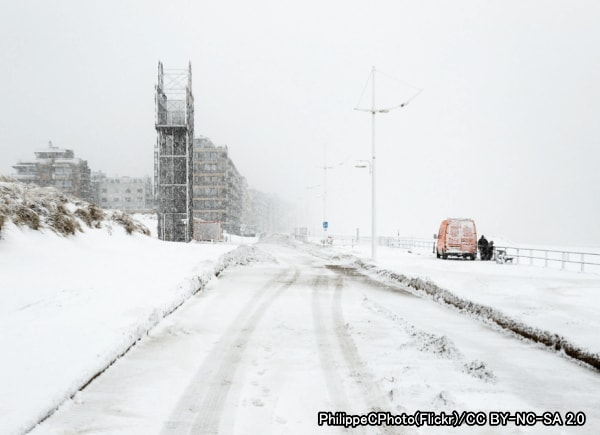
x=266, y=347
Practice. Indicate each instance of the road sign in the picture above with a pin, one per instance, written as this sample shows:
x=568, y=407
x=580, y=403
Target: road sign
x=325, y=225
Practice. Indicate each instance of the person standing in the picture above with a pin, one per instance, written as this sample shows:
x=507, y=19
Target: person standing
x=489, y=250
x=482, y=244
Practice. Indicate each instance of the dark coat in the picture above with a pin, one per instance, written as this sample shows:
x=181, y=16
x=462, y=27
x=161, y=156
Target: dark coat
x=482, y=243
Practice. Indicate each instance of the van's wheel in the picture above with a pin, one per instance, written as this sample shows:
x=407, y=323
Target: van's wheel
x=473, y=257
x=437, y=254
x=445, y=256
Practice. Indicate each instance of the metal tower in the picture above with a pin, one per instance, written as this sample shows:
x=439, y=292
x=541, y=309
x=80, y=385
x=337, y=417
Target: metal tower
x=173, y=153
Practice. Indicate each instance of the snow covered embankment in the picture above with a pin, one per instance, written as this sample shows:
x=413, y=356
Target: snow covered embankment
x=78, y=287
x=41, y=208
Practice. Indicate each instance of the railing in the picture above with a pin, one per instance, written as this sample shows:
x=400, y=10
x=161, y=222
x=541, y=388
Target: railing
x=396, y=242
x=337, y=239
x=567, y=260
x=564, y=260
x=392, y=242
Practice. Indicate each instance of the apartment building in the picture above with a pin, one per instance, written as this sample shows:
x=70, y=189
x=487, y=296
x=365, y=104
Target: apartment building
x=132, y=194
x=219, y=191
x=57, y=167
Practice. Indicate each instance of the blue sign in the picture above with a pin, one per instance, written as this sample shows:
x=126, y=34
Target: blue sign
x=325, y=225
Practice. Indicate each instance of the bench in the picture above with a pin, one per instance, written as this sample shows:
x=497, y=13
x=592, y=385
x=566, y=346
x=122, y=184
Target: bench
x=502, y=258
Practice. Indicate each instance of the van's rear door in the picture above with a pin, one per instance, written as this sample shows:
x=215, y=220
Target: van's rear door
x=461, y=236
x=468, y=236
x=454, y=235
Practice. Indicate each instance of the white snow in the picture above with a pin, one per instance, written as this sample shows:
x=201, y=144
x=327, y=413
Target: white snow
x=265, y=348
x=562, y=302
x=70, y=305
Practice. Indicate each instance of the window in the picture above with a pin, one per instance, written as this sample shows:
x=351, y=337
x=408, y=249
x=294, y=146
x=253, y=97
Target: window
x=211, y=204
x=210, y=155
x=127, y=199
x=140, y=190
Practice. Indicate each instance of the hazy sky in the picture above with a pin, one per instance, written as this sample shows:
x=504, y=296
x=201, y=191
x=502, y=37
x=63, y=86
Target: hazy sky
x=506, y=130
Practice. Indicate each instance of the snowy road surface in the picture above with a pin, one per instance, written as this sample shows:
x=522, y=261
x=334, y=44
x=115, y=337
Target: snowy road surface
x=266, y=347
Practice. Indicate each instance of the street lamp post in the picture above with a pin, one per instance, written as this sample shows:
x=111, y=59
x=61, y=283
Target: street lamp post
x=325, y=167
x=373, y=178
x=373, y=112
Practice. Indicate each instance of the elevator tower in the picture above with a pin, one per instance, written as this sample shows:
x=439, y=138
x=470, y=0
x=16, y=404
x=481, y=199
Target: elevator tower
x=173, y=153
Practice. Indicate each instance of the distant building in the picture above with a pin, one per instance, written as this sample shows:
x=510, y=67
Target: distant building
x=258, y=212
x=268, y=213
x=58, y=168
x=219, y=191
x=123, y=193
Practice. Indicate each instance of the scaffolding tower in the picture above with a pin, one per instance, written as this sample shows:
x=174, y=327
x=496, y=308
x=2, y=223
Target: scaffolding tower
x=173, y=153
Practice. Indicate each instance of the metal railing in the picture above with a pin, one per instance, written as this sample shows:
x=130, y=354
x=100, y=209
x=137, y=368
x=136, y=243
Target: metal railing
x=576, y=261
x=340, y=239
x=407, y=243
x=567, y=260
x=392, y=242
x=564, y=260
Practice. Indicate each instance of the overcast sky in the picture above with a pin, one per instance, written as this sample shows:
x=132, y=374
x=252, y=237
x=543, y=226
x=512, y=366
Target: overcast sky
x=506, y=130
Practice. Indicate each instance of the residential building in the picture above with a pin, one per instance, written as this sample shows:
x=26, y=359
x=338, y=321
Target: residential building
x=57, y=167
x=132, y=194
x=219, y=191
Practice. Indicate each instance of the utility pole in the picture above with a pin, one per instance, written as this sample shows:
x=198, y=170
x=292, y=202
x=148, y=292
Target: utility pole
x=325, y=167
x=325, y=184
x=373, y=178
x=373, y=112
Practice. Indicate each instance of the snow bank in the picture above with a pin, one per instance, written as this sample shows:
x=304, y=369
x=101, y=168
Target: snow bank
x=70, y=306
x=558, y=309
x=491, y=315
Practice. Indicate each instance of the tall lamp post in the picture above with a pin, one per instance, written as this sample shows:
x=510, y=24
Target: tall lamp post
x=373, y=112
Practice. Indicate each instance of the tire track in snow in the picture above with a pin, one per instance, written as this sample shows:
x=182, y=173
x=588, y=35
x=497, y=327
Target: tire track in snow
x=361, y=374
x=199, y=409
x=440, y=345
x=327, y=357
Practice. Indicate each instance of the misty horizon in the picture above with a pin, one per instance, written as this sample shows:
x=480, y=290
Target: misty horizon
x=504, y=131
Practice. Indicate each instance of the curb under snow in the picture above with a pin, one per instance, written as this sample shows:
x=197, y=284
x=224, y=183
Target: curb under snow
x=242, y=255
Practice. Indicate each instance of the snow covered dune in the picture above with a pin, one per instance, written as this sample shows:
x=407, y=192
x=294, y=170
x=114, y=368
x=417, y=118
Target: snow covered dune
x=78, y=287
x=41, y=208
